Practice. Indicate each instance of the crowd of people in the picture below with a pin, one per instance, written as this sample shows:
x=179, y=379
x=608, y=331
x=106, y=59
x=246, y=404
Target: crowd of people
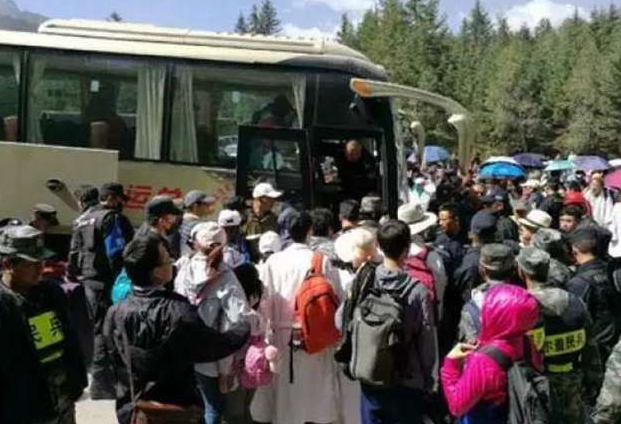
x=271, y=313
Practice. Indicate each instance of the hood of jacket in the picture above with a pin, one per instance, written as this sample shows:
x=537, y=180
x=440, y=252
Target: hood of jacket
x=508, y=313
x=399, y=283
x=194, y=275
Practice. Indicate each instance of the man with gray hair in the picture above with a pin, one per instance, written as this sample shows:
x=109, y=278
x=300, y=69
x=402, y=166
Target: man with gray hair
x=571, y=359
x=496, y=266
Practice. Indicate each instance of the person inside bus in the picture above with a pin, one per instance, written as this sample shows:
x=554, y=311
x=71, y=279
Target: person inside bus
x=357, y=170
x=101, y=109
x=264, y=155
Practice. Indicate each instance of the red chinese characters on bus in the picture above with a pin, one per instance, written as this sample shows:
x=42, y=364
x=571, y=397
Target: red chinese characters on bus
x=138, y=196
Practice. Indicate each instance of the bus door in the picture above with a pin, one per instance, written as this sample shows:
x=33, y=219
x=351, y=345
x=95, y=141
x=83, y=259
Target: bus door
x=276, y=155
x=338, y=175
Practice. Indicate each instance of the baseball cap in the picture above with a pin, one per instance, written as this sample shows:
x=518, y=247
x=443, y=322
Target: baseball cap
x=229, y=218
x=496, y=257
x=25, y=242
x=270, y=242
x=483, y=223
x=47, y=212
x=208, y=233
x=194, y=197
x=494, y=196
x=534, y=262
x=114, y=189
x=162, y=205
x=265, y=190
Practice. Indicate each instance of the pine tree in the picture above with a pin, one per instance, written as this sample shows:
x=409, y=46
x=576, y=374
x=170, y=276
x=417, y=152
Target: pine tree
x=114, y=17
x=268, y=18
x=347, y=33
x=254, y=24
x=241, y=27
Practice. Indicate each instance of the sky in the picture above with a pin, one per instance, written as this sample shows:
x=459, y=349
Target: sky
x=318, y=18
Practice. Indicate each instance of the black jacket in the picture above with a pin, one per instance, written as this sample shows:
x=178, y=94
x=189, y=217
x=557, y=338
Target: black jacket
x=593, y=286
x=25, y=396
x=165, y=337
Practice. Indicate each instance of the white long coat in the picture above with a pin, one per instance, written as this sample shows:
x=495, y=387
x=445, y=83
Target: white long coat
x=313, y=395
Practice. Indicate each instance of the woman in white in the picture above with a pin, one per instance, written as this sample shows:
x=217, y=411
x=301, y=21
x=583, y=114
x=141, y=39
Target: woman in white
x=614, y=249
x=305, y=390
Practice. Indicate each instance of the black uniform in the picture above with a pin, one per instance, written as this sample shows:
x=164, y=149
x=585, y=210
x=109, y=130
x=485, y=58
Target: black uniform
x=100, y=235
x=593, y=286
x=41, y=365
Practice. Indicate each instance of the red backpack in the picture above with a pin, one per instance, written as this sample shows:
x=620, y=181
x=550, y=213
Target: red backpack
x=416, y=267
x=315, y=306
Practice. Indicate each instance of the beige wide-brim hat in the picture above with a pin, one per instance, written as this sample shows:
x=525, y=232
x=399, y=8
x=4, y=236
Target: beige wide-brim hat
x=415, y=216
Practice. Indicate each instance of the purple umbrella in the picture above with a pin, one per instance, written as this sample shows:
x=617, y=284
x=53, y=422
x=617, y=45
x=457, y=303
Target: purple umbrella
x=529, y=160
x=613, y=180
x=591, y=163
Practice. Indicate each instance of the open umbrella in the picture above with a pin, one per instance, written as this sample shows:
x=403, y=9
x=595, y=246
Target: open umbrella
x=560, y=165
x=503, y=159
x=529, y=160
x=502, y=170
x=613, y=180
x=435, y=154
x=591, y=163
x=615, y=163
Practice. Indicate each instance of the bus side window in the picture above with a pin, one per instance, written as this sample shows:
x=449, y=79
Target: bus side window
x=9, y=94
x=97, y=101
x=211, y=102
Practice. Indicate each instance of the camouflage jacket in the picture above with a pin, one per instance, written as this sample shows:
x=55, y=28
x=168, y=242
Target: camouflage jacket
x=608, y=407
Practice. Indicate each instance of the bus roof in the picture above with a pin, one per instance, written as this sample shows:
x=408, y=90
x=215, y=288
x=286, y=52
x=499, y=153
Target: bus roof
x=150, y=40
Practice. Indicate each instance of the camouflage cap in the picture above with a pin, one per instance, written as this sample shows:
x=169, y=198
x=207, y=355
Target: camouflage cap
x=24, y=242
x=497, y=257
x=534, y=262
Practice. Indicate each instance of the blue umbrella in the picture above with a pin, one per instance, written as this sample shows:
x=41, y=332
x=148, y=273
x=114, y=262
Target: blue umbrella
x=560, y=165
x=502, y=170
x=529, y=160
x=435, y=154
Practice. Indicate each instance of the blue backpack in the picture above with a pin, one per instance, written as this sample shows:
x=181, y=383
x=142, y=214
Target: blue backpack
x=122, y=288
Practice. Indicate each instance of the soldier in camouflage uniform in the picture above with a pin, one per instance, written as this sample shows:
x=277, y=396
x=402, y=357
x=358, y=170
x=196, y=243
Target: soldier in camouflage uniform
x=571, y=359
x=496, y=266
x=551, y=241
x=608, y=408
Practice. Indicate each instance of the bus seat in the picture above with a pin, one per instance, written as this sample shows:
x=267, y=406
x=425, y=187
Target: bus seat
x=99, y=135
x=10, y=128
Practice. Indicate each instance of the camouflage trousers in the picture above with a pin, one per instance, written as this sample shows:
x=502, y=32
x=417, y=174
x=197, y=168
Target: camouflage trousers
x=567, y=389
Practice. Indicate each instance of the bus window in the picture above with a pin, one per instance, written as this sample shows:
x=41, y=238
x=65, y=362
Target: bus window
x=211, y=103
x=98, y=102
x=9, y=94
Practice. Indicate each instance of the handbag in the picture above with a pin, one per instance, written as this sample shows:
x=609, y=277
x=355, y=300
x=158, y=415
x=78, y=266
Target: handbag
x=153, y=412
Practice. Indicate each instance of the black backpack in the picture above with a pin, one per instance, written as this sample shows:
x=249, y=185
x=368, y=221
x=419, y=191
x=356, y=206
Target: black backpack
x=529, y=392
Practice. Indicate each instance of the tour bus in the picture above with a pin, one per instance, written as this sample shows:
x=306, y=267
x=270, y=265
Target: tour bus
x=164, y=111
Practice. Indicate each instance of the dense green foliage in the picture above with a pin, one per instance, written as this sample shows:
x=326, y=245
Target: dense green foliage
x=528, y=90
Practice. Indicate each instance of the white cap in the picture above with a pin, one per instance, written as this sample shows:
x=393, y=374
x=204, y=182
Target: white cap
x=207, y=234
x=265, y=190
x=270, y=242
x=532, y=183
x=229, y=218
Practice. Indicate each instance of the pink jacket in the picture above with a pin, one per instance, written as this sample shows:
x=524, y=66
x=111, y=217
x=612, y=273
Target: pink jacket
x=508, y=313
